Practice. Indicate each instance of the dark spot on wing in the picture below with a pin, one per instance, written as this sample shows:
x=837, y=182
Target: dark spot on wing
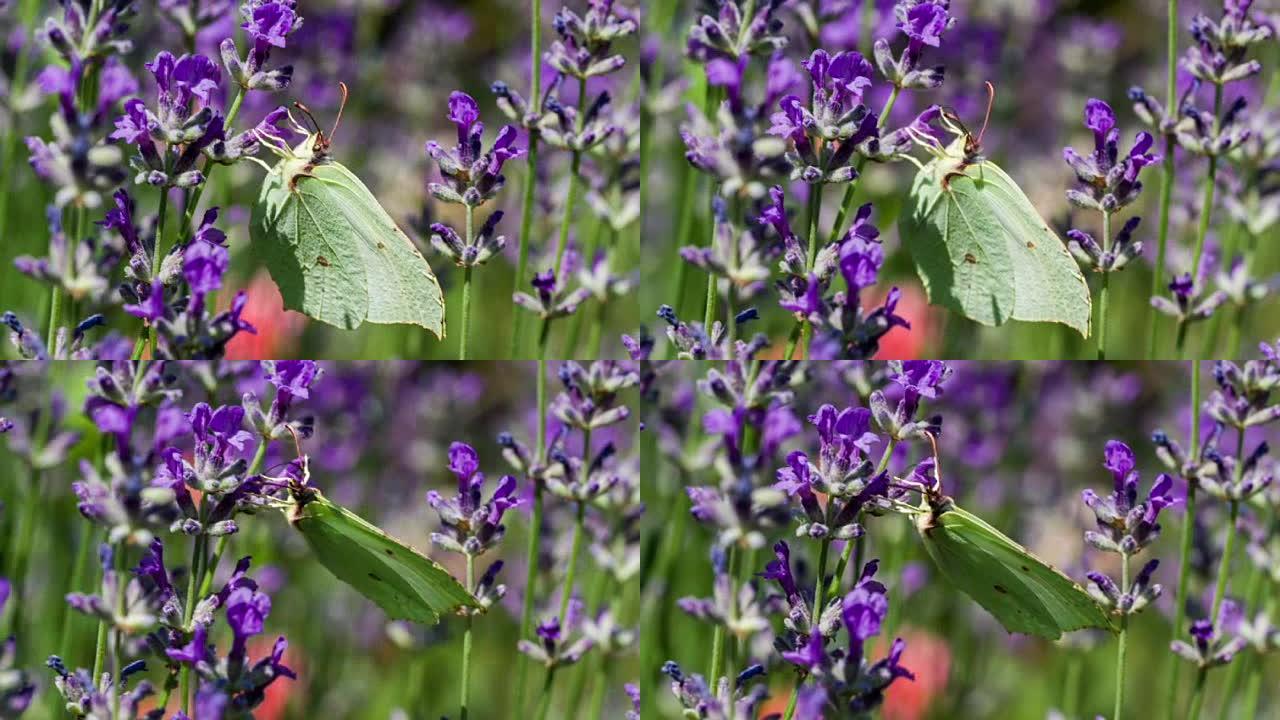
x=381, y=246
x=1000, y=589
x=375, y=577
x=1031, y=245
x=1026, y=569
x=969, y=258
x=388, y=551
x=323, y=261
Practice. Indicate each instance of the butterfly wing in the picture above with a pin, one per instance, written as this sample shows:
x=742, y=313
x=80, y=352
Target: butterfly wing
x=970, y=567
x=306, y=244
x=404, y=583
x=401, y=286
x=1048, y=286
x=950, y=238
x=1068, y=605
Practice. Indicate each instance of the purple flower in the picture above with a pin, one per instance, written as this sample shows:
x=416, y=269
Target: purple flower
x=472, y=525
x=203, y=266
x=780, y=570
x=812, y=655
x=1107, y=183
x=1125, y=525
x=152, y=308
x=270, y=22
x=472, y=177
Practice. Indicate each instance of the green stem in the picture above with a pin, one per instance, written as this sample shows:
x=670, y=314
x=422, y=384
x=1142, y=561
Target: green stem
x=1123, y=644
x=820, y=588
x=846, y=203
x=795, y=697
x=1206, y=204
x=193, y=585
x=1253, y=690
x=466, y=289
x=1071, y=685
x=815, y=214
x=535, y=537
x=1103, y=294
x=1236, y=670
x=598, y=689
x=466, y=642
x=1224, y=566
x=1197, y=695
x=531, y=174
x=1168, y=177
x=571, y=199
x=717, y=640
x=850, y=545
x=117, y=652
x=193, y=203
x=574, y=551
x=1187, y=541
x=544, y=702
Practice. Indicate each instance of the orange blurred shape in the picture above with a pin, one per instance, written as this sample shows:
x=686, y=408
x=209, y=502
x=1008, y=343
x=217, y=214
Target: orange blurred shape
x=278, y=329
x=277, y=696
x=926, y=655
x=900, y=343
x=929, y=657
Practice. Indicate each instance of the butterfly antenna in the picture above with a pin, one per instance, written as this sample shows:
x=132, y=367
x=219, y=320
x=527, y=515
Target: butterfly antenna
x=307, y=111
x=937, y=463
x=991, y=101
x=336, y=121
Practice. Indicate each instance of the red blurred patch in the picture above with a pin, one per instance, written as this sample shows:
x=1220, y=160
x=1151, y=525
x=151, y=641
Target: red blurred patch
x=903, y=344
x=277, y=698
x=929, y=657
x=278, y=329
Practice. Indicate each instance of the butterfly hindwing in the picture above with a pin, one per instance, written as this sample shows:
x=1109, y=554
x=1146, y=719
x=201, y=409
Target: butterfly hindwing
x=404, y=583
x=969, y=567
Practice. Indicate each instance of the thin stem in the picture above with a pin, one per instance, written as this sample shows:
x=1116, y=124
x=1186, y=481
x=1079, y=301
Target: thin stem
x=1197, y=695
x=544, y=702
x=535, y=537
x=531, y=174
x=598, y=689
x=717, y=640
x=791, y=704
x=575, y=550
x=193, y=584
x=1206, y=204
x=117, y=652
x=149, y=332
x=1224, y=566
x=1071, y=685
x=1123, y=645
x=574, y=167
x=466, y=289
x=1188, y=538
x=1253, y=690
x=466, y=642
x=1103, y=295
x=850, y=545
x=1168, y=176
x=846, y=203
x=815, y=214
x=820, y=588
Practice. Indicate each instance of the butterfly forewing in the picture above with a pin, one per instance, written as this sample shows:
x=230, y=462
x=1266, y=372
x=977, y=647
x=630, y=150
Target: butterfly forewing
x=982, y=250
x=991, y=584
x=1069, y=606
x=405, y=290
x=303, y=240
x=1048, y=285
x=404, y=583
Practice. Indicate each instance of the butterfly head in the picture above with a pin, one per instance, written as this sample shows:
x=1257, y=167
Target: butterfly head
x=972, y=148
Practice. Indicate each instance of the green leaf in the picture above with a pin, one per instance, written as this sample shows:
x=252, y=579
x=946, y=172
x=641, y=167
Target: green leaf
x=403, y=582
x=983, y=250
x=1026, y=594
x=334, y=252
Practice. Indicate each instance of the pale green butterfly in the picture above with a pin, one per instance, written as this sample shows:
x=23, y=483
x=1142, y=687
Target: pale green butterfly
x=334, y=252
x=402, y=581
x=1024, y=593
x=980, y=247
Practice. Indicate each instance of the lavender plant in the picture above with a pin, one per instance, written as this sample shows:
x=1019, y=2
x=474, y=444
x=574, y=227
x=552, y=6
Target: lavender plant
x=177, y=458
